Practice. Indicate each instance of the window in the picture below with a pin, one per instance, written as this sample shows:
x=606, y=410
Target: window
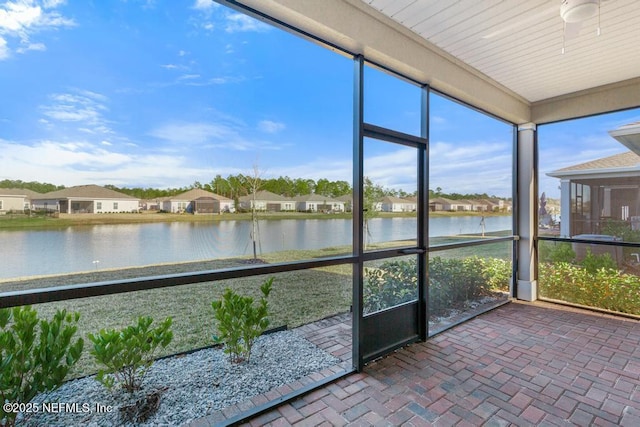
x=115, y=205
x=99, y=205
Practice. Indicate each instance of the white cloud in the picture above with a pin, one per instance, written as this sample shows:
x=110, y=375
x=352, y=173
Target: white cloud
x=238, y=22
x=189, y=77
x=4, y=50
x=471, y=167
x=52, y=4
x=192, y=133
x=226, y=134
x=19, y=16
x=82, y=107
x=270, y=126
x=32, y=46
x=204, y=5
x=20, y=20
x=77, y=163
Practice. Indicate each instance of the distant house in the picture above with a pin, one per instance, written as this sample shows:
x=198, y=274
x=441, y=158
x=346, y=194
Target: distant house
x=347, y=199
x=86, y=199
x=16, y=199
x=197, y=201
x=318, y=203
x=397, y=204
x=267, y=201
x=443, y=204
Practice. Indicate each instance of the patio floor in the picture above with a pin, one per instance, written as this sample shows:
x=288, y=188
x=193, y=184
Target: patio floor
x=521, y=364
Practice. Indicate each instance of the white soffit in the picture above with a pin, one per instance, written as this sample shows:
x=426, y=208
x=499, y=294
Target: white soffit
x=518, y=43
x=629, y=136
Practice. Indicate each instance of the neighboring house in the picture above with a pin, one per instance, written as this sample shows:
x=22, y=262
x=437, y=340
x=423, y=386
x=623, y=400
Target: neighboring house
x=16, y=199
x=606, y=188
x=151, y=204
x=442, y=204
x=86, y=199
x=602, y=189
x=318, y=203
x=347, y=199
x=396, y=204
x=267, y=201
x=197, y=201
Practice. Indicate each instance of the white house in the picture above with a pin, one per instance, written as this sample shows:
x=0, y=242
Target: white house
x=318, y=203
x=267, y=201
x=16, y=199
x=397, y=204
x=86, y=199
x=197, y=201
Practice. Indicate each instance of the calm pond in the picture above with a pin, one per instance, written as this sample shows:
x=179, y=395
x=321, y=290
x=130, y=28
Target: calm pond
x=84, y=248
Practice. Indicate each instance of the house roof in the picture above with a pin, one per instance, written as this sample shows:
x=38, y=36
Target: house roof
x=441, y=200
x=85, y=192
x=394, y=199
x=198, y=193
x=19, y=192
x=621, y=162
x=316, y=198
x=265, y=195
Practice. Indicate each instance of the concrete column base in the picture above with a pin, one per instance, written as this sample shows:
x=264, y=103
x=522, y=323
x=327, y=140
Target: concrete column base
x=527, y=290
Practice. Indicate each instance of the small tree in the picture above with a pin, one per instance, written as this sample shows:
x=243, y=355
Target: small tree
x=240, y=322
x=128, y=353
x=30, y=365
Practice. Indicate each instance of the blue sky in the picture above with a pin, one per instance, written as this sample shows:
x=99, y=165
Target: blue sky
x=164, y=93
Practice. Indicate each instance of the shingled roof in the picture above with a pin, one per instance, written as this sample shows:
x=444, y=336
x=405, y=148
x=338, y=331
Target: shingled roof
x=19, y=192
x=623, y=160
x=85, y=192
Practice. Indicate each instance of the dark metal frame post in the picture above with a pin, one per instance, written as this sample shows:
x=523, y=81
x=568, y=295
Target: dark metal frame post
x=356, y=210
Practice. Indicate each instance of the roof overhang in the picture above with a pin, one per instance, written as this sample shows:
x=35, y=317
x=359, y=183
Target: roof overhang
x=629, y=136
x=628, y=172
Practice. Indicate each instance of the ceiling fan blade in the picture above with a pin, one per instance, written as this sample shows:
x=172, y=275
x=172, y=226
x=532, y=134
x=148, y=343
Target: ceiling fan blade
x=526, y=20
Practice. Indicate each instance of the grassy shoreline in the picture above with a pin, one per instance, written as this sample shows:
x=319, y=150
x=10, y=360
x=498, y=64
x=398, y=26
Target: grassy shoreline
x=21, y=222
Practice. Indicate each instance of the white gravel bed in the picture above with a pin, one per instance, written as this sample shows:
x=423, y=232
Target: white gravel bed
x=193, y=385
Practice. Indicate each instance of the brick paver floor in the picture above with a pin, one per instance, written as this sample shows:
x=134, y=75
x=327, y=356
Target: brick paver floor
x=521, y=364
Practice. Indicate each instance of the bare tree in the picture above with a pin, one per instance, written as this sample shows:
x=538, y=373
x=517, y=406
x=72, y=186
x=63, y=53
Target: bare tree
x=252, y=184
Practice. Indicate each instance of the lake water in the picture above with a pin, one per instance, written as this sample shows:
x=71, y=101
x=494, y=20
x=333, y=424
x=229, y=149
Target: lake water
x=83, y=248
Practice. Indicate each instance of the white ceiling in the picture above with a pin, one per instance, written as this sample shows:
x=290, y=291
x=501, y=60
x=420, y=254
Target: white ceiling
x=518, y=43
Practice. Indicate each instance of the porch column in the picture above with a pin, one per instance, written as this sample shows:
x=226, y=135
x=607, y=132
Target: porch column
x=565, y=208
x=527, y=212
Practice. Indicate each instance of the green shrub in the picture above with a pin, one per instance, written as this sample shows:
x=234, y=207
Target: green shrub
x=592, y=263
x=605, y=288
x=128, y=353
x=240, y=322
x=454, y=281
x=30, y=365
x=390, y=284
x=555, y=252
x=497, y=272
x=451, y=282
x=621, y=229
